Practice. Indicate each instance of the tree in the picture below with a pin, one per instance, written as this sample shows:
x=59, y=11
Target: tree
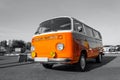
x=3, y=43
x=19, y=44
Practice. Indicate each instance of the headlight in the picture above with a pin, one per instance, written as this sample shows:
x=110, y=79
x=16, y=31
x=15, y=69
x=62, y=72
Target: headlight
x=32, y=48
x=60, y=46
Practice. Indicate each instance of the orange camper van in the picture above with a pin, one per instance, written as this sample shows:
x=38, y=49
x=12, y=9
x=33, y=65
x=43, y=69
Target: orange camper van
x=66, y=40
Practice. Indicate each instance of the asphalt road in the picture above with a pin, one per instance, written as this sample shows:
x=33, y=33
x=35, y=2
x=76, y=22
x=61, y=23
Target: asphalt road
x=10, y=69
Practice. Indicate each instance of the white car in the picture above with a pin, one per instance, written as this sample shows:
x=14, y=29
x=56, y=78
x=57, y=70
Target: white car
x=2, y=50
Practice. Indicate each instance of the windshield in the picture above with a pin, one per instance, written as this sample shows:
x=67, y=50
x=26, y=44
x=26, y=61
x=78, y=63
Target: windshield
x=54, y=25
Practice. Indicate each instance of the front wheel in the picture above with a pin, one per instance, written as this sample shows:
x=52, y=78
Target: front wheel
x=82, y=63
x=49, y=66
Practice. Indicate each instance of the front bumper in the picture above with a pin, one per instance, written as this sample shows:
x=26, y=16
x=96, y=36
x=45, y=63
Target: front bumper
x=52, y=60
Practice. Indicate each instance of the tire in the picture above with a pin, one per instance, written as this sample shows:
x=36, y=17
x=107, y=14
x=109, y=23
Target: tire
x=99, y=58
x=48, y=66
x=82, y=63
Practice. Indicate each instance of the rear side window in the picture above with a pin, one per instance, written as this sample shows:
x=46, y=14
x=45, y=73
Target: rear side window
x=89, y=31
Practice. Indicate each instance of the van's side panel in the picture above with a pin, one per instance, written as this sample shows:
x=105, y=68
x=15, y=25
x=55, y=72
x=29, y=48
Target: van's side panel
x=78, y=41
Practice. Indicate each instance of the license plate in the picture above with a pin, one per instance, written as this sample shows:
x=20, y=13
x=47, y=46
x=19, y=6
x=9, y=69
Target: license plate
x=41, y=59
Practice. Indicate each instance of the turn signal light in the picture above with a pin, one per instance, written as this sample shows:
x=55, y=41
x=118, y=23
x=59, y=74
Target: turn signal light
x=33, y=54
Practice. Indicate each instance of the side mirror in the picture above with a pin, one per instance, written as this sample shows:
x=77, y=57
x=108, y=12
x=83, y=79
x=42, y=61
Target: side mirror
x=79, y=28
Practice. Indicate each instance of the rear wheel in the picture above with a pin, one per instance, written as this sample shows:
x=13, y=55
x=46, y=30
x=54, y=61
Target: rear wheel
x=99, y=58
x=49, y=66
x=82, y=63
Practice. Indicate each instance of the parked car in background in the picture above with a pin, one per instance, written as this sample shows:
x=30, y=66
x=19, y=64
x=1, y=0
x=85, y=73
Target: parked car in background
x=109, y=48
x=118, y=47
x=2, y=50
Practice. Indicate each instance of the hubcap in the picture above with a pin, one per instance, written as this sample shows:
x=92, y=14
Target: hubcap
x=100, y=57
x=82, y=62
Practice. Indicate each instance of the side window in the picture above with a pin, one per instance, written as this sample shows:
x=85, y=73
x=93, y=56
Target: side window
x=89, y=31
x=97, y=34
x=78, y=26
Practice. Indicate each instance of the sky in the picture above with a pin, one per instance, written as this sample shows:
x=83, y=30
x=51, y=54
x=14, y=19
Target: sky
x=19, y=19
